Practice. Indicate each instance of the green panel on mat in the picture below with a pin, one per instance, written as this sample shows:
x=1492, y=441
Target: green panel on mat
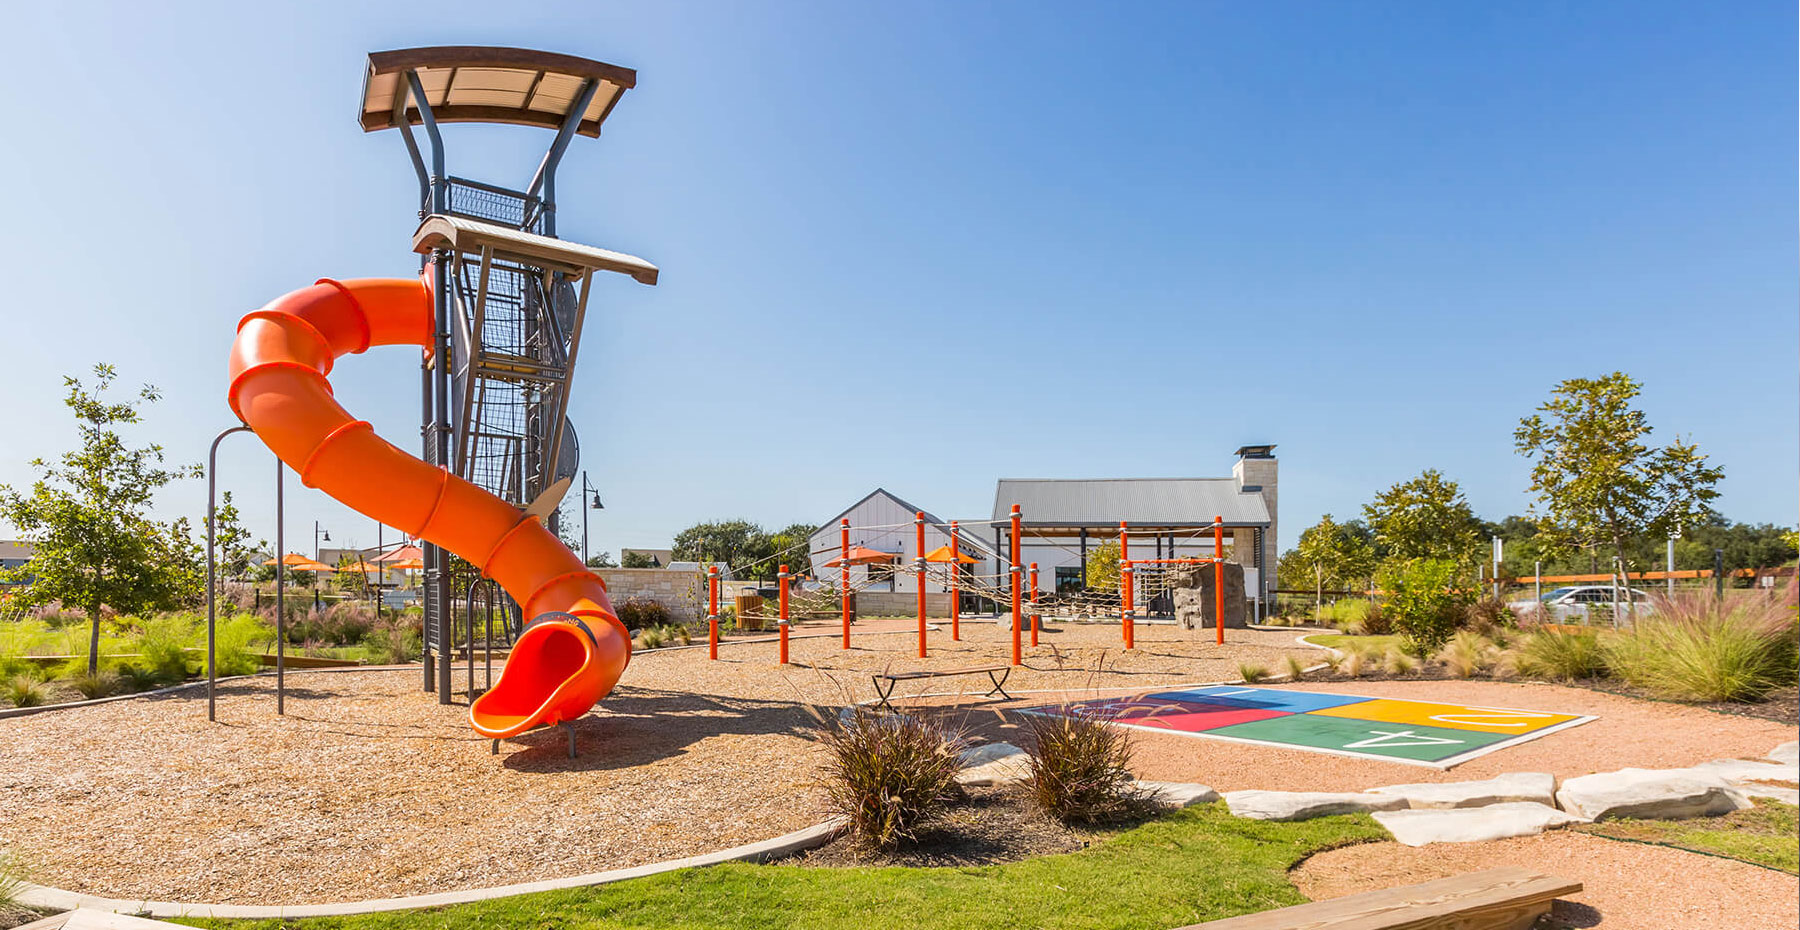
x=1367, y=737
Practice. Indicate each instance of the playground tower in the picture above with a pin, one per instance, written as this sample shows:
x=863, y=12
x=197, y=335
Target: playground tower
x=509, y=297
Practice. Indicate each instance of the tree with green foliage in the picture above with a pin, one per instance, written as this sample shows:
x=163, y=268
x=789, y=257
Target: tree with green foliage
x=231, y=541
x=1424, y=518
x=1599, y=483
x=1425, y=601
x=604, y=559
x=1341, y=555
x=747, y=548
x=1103, y=567
x=792, y=545
x=87, y=517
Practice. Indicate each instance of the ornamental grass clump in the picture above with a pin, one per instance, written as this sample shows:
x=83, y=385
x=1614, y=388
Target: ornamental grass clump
x=1559, y=655
x=1081, y=769
x=23, y=691
x=889, y=775
x=1251, y=673
x=1702, y=648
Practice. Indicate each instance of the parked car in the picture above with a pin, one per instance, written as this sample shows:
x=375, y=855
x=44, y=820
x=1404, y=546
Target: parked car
x=1586, y=604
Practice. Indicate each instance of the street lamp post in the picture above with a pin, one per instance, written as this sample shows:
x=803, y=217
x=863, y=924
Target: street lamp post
x=590, y=500
x=319, y=533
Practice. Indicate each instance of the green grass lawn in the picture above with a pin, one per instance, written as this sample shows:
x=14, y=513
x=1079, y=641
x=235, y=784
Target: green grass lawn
x=1767, y=834
x=1349, y=643
x=1196, y=865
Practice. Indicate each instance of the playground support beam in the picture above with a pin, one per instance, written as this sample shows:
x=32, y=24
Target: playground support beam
x=281, y=591
x=844, y=576
x=1035, y=619
x=712, y=611
x=919, y=572
x=1219, y=577
x=955, y=588
x=783, y=577
x=1126, y=584
x=1018, y=657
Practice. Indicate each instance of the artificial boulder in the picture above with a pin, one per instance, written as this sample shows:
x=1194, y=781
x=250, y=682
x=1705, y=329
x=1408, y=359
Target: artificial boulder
x=1305, y=805
x=994, y=764
x=1177, y=794
x=1474, y=824
x=1650, y=794
x=1535, y=787
x=1193, y=596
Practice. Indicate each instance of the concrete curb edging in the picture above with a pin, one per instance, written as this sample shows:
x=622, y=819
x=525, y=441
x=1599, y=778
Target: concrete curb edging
x=814, y=836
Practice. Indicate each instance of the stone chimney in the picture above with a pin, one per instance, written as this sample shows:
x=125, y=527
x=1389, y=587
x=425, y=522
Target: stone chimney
x=1255, y=472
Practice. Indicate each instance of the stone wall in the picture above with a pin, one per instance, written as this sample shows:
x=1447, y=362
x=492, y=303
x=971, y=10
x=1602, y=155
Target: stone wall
x=900, y=604
x=683, y=592
x=1194, y=600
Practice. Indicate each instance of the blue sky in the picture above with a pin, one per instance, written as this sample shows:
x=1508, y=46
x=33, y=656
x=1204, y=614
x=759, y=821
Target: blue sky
x=924, y=246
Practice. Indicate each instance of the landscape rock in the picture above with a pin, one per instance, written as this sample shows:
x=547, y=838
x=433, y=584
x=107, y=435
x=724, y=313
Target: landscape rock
x=1660, y=794
x=1787, y=753
x=992, y=764
x=1535, y=787
x=1472, y=824
x=1178, y=794
x=1305, y=805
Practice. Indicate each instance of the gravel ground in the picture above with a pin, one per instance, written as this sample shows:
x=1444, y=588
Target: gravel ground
x=369, y=788
x=1627, y=886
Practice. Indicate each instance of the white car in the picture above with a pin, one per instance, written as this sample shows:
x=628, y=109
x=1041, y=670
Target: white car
x=1587, y=604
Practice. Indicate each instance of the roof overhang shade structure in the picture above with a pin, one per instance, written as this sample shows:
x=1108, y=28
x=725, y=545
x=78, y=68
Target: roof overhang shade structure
x=859, y=555
x=479, y=84
x=943, y=554
x=402, y=554
x=298, y=562
x=460, y=234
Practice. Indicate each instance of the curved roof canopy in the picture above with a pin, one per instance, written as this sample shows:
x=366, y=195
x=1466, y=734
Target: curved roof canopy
x=481, y=84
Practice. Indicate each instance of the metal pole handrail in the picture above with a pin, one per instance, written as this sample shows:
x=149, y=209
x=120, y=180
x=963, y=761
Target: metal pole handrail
x=212, y=486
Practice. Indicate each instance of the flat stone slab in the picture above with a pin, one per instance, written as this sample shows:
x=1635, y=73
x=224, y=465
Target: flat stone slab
x=1535, y=787
x=1787, y=753
x=1650, y=794
x=1178, y=794
x=1305, y=805
x=991, y=764
x=1473, y=824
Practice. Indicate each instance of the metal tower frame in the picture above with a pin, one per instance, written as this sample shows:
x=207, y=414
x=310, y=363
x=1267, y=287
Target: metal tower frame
x=510, y=298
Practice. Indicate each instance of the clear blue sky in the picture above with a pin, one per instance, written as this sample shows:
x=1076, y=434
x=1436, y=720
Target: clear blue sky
x=924, y=246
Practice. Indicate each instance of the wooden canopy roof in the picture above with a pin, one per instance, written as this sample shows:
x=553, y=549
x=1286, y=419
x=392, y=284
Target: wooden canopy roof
x=481, y=84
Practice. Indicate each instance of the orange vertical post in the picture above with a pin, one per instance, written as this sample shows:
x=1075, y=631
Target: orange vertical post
x=712, y=611
x=1018, y=657
x=1219, y=577
x=919, y=572
x=955, y=589
x=1125, y=587
x=783, y=576
x=1035, y=622
x=844, y=576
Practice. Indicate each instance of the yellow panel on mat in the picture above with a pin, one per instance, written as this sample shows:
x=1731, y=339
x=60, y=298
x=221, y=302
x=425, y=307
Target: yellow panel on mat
x=1451, y=716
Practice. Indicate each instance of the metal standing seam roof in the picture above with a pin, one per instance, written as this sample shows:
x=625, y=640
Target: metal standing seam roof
x=1146, y=501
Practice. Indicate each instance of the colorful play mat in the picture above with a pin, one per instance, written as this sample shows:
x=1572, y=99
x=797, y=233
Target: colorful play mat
x=1412, y=732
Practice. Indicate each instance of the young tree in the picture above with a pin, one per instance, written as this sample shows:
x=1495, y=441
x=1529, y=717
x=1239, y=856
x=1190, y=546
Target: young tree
x=1343, y=554
x=231, y=541
x=1424, y=518
x=1103, y=567
x=87, y=516
x=1599, y=484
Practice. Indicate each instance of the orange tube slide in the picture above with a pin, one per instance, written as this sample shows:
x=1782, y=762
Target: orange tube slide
x=575, y=649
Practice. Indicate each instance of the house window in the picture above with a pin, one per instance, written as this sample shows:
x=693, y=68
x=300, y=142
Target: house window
x=1068, y=578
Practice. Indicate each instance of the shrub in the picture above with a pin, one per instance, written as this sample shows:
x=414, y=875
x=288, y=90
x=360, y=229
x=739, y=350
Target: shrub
x=888, y=775
x=1296, y=669
x=93, y=687
x=1425, y=602
x=1698, y=648
x=1486, y=615
x=1559, y=655
x=23, y=691
x=162, y=648
x=236, y=646
x=392, y=643
x=1252, y=673
x=1081, y=769
x=639, y=613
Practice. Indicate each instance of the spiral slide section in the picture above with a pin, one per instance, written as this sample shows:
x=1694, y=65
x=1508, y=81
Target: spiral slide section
x=575, y=648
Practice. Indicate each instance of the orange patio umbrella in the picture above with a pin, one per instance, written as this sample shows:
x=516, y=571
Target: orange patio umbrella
x=943, y=554
x=860, y=555
x=360, y=566
x=407, y=565
x=404, y=554
x=300, y=563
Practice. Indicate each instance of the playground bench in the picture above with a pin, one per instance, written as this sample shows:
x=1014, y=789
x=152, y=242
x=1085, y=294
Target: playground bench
x=995, y=673
x=1508, y=898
